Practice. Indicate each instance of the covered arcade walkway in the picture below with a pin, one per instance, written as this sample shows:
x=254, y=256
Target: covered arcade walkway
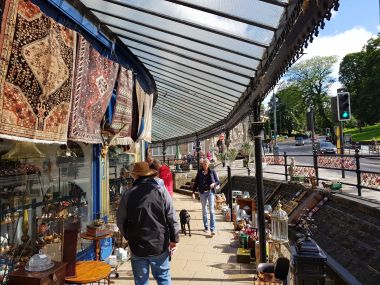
x=201, y=259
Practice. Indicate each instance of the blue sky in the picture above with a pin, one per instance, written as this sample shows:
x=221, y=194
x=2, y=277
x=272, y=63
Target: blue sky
x=354, y=13
x=348, y=31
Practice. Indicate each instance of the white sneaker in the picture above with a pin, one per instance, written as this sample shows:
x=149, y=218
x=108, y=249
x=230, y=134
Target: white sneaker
x=206, y=231
x=213, y=233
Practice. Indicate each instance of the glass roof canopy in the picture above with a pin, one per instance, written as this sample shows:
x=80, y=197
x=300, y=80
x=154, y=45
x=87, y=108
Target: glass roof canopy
x=206, y=57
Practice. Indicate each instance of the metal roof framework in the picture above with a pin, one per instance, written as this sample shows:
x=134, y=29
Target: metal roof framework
x=211, y=59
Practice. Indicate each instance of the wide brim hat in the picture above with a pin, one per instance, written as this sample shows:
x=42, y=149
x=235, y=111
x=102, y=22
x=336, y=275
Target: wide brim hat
x=142, y=169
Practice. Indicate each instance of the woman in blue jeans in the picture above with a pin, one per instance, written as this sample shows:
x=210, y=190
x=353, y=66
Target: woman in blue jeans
x=205, y=183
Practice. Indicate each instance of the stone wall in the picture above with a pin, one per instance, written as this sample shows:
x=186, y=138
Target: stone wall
x=248, y=183
x=181, y=178
x=349, y=231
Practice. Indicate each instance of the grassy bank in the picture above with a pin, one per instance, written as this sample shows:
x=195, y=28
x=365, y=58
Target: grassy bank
x=367, y=134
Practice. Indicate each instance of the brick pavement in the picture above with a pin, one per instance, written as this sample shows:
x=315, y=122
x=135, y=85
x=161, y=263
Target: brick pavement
x=201, y=259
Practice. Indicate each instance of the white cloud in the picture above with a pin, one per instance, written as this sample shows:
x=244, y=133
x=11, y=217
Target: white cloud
x=340, y=44
x=333, y=14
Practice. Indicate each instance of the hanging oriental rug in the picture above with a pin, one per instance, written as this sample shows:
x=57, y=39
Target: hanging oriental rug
x=140, y=99
x=94, y=81
x=122, y=113
x=37, y=58
x=146, y=134
x=138, y=96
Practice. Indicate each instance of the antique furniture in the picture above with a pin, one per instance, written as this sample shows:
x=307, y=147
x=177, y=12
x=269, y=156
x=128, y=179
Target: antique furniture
x=53, y=276
x=90, y=271
x=69, y=248
x=97, y=242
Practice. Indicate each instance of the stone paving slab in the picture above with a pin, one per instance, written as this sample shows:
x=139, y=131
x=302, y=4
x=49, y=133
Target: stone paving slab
x=201, y=259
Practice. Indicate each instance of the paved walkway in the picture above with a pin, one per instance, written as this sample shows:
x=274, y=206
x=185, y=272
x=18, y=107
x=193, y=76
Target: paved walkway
x=201, y=259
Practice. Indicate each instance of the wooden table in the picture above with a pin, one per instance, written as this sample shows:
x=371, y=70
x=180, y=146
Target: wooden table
x=55, y=275
x=97, y=242
x=90, y=271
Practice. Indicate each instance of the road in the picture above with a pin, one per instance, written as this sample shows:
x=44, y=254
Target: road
x=368, y=164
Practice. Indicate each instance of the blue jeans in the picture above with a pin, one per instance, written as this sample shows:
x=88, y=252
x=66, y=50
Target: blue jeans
x=208, y=198
x=160, y=269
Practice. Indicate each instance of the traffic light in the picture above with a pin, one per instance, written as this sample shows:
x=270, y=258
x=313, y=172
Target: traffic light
x=344, y=108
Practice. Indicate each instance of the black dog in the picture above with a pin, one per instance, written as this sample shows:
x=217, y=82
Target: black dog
x=184, y=218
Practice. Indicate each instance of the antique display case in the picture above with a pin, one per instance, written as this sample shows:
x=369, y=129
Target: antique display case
x=42, y=188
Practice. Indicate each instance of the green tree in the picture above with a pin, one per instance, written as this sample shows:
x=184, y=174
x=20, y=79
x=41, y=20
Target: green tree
x=292, y=109
x=359, y=73
x=313, y=77
x=351, y=75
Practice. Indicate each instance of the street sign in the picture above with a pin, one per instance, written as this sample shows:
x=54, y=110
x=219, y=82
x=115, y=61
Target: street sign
x=334, y=109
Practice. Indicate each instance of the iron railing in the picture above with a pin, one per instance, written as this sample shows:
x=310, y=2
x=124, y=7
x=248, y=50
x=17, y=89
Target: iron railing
x=365, y=179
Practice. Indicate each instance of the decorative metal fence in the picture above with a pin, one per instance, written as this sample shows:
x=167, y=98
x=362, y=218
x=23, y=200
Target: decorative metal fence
x=345, y=163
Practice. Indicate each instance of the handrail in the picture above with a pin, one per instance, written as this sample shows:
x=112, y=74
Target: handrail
x=365, y=179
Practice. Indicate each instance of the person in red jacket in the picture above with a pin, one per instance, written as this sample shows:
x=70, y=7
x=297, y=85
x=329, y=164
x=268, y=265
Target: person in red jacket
x=164, y=173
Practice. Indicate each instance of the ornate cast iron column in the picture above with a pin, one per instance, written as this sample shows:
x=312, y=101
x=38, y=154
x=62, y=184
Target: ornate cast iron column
x=163, y=151
x=256, y=127
x=198, y=148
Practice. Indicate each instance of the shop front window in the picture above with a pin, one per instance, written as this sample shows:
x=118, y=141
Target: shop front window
x=121, y=160
x=170, y=150
x=42, y=188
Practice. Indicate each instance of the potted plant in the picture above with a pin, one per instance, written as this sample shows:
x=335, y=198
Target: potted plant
x=222, y=157
x=245, y=151
x=231, y=154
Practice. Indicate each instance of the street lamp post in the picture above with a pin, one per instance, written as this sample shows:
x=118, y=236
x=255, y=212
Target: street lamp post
x=312, y=126
x=275, y=147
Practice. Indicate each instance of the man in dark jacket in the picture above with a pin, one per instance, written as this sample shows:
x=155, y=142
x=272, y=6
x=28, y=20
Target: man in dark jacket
x=205, y=183
x=146, y=218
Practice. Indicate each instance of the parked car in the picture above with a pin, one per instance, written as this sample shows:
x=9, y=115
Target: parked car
x=326, y=148
x=300, y=141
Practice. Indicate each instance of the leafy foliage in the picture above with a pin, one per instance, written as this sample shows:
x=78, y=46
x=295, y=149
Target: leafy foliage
x=246, y=149
x=313, y=78
x=231, y=154
x=360, y=73
x=222, y=156
x=290, y=109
